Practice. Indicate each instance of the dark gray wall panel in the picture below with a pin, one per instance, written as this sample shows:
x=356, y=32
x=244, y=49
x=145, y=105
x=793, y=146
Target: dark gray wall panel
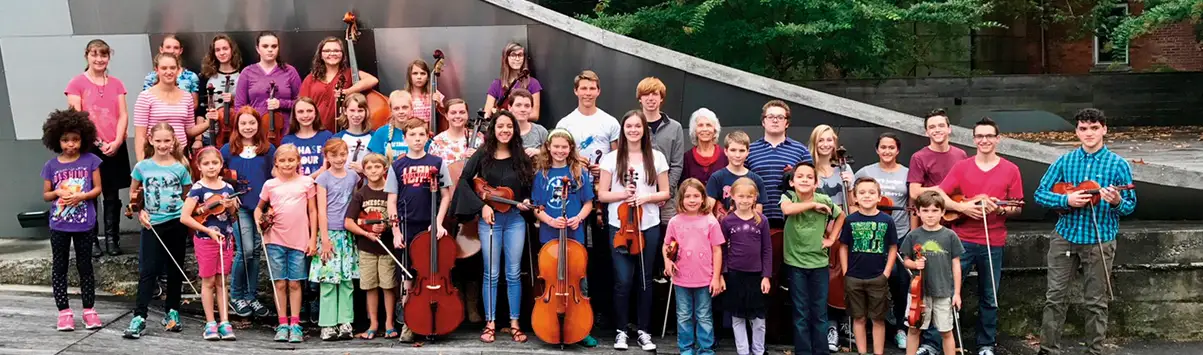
x=6, y=113
x=619, y=74
x=736, y=106
x=168, y=16
x=473, y=57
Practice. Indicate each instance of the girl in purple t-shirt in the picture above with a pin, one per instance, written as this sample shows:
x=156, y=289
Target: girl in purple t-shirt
x=515, y=74
x=72, y=182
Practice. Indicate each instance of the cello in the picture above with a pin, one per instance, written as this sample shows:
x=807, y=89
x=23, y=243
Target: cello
x=378, y=110
x=434, y=306
x=562, y=314
x=275, y=119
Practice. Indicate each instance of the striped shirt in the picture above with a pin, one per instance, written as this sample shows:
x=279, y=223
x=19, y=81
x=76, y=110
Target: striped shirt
x=769, y=163
x=1104, y=167
x=150, y=110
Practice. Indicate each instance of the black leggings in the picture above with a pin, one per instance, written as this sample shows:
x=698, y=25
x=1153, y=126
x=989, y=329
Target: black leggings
x=153, y=261
x=60, y=248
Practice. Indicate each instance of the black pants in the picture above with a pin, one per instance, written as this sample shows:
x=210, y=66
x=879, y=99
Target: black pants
x=60, y=248
x=154, y=260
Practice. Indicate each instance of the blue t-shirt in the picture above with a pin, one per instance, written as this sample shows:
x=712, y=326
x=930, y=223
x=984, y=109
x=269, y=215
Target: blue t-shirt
x=162, y=189
x=868, y=239
x=338, y=195
x=547, y=194
x=255, y=169
x=380, y=141
x=223, y=222
x=409, y=178
x=75, y=176
x=718, y=187
x=310, y=149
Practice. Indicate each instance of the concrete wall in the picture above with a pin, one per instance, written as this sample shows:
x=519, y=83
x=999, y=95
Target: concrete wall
x=41, y=47
x=1128, y=99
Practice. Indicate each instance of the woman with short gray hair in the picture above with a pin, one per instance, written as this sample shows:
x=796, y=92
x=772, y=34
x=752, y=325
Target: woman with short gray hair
x=707, y=155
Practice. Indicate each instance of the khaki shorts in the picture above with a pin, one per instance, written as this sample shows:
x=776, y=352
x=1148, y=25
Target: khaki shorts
x=867, y=298
x=938, y=313
x=376, y=271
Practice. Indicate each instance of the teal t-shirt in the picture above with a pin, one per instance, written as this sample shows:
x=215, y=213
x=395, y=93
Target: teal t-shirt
x=804, y=234
x=162, y=189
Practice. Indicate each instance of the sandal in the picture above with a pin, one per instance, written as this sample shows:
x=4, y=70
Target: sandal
x=517, y=335
x=391, y=333
x=488, y=335
x=368, y=334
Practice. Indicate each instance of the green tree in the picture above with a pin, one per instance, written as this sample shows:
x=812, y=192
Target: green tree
x=797, y=39
x=1157, y=14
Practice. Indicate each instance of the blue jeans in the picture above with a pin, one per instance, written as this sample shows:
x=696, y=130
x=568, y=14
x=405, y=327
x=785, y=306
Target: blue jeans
x=507, y=233
x=693, y=309
x=976, y=257
x=808, y=292
x=625, y=268
x=244, y=276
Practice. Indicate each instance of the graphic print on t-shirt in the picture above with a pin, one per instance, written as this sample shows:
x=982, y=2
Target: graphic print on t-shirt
x=555, y=202
x=163, y=193
x=71, y=180
x=932, y=247
x=868, y=237
x=417, y=175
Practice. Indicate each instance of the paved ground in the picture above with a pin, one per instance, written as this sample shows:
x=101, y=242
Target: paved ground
x=28, y=314
x=1173, y=146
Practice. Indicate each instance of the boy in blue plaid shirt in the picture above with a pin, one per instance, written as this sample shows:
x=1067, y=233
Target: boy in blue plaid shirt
x=1085, y=234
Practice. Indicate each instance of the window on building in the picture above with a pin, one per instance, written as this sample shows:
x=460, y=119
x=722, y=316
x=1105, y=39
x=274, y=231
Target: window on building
x=1105, y=51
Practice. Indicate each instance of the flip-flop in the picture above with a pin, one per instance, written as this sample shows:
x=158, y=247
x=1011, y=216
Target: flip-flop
x=368, y=335
x=391, y=333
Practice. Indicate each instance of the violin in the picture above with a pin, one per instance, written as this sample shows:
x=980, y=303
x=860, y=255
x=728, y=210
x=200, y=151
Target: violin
x=835, y=293
x=369, y=220
x=275, y=119
x=434, y=306
x=562, y=314
x=135, y=203
x=214, y=206
x=268, y=217
x=952, y=216
x=914, y=311
x=629, y=239
x=887, y=204
x=500, y=199
x=1089, y=187
x=378, y=110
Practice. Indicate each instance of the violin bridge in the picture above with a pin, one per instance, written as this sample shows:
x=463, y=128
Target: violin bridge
x=433, y=287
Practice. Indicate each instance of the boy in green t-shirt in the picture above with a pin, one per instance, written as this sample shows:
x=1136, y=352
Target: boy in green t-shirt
x=806, y=241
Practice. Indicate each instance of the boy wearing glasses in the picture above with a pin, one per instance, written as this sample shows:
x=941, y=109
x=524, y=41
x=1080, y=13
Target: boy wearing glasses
x=768, y=157
x=992, y=178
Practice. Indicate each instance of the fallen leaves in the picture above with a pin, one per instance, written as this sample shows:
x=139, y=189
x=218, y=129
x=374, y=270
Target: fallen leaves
x=1138, y=161
x=1115, y=134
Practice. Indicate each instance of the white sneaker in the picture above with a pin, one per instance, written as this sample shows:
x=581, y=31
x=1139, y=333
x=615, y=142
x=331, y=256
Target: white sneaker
x=620, y=340
x=927, y=350
x=833, y=339
x=645, y=341
x=986, y=350
x=900, y=338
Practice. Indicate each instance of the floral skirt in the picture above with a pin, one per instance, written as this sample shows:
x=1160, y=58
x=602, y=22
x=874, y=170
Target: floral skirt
x=342, y=266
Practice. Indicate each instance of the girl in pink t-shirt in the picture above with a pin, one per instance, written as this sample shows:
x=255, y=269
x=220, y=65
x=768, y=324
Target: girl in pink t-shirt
x=692, y=257
x=290, y=237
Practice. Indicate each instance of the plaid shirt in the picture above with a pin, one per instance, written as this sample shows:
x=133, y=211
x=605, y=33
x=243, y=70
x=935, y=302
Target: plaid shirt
x=1104, y=167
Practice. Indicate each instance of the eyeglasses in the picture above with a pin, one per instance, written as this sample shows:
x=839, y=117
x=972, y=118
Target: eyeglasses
x=984, y=136
x=775, y=118
x=517, y=55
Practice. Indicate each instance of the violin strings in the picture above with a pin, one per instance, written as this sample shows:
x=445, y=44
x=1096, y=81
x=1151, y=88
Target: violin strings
x=1099, y=237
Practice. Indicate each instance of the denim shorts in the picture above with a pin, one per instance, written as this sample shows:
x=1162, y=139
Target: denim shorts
x=287, y=263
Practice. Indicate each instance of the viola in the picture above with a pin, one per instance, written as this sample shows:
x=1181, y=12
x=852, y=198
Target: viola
x=629, y=239
x=914, y=311
x=275, y=119
x=953, y=216
x=215, y=206
x=1089, y=187
x=562, y=313
x=378, y=110
x=434, y=306
x=500, y=199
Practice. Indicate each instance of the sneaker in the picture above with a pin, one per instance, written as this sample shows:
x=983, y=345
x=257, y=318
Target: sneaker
x=588, y=342
x=281, y=333
x=1043, y=351
x=226, y=331
x=314, y=311
x=259, y=310
x=645, y=341
x=833, y=339
x=985, y=350
x=211, y=331
x=171, y=322
x=296, y=334
x=328, y=334
x=620, y=340
x=241, y=307
x=407, y=335
x=92, y=319
x=660, y=280
x=927, y=350
x=66, y=320
x=399, y=313
x=137, y=327
x=345, y=332
x=900, y=338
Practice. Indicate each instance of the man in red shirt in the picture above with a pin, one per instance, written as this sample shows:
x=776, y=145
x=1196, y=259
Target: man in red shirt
x=984, y=180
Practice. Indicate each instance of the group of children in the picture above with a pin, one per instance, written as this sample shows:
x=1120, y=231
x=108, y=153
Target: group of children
x=315, y=177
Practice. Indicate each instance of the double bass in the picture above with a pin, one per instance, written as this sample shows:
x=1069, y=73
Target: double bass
x=562, y=314
x=835, y=288
x=378, y=110
x=434, y=306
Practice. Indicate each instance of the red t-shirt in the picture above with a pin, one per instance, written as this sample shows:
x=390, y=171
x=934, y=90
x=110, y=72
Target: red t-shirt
x=323, y=95
x=928, y=167
x=1002, y=182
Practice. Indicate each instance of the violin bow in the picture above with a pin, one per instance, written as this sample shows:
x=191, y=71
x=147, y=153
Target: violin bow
x=1099, y=239
x=989, y=256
